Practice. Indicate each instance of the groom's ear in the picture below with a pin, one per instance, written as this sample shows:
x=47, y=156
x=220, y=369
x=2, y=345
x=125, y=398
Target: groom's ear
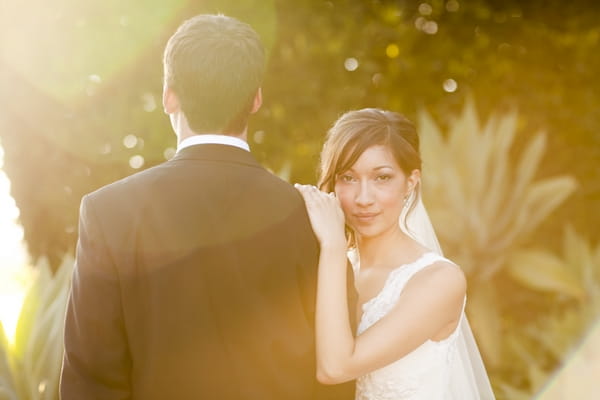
x=257, y=101
x=170, y=100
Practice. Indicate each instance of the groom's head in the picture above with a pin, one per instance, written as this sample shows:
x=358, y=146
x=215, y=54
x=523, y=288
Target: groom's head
x=213, y=66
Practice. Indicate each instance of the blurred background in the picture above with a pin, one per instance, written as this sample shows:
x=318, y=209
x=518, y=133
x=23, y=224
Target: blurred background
x=505, y=95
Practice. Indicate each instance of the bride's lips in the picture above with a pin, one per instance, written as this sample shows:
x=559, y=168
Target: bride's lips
x=365, y=217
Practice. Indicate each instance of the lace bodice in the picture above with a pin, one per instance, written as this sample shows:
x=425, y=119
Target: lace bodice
x=423, y=374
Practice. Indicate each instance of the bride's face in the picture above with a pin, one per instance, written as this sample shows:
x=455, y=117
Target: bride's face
x=372, y=192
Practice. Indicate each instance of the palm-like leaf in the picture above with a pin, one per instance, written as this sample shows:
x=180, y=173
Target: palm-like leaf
x=484, y=205
x=7, y=390
x=541, y=270
x=558, y=333
x=37, y=355
x=481, y=204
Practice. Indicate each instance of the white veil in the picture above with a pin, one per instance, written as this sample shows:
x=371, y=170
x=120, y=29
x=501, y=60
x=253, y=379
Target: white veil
x=469, y=380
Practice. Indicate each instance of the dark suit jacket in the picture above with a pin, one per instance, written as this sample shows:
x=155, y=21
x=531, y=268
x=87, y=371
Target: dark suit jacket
x=194, y=279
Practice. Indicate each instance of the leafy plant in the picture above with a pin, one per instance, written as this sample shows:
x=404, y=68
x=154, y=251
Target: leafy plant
x=553, y=351
x=30, y=370
x=484, y=206
x=7, y=390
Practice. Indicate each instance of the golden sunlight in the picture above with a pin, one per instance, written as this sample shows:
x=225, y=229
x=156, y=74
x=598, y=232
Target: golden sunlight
x=14, y=272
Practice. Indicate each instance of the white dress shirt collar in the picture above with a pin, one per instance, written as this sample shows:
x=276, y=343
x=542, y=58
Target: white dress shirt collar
x=213, y=139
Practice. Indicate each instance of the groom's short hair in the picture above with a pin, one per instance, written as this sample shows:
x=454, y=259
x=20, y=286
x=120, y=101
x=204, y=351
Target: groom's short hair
x=215, y=65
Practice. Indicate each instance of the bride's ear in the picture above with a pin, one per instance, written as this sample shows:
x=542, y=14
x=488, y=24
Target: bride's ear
x=413, y=179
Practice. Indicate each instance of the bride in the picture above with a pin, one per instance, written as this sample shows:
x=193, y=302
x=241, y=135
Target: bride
x=413, y=340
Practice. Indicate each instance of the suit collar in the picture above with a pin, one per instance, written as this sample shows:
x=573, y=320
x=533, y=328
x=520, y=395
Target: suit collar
x=213, y=139
x=216, y=152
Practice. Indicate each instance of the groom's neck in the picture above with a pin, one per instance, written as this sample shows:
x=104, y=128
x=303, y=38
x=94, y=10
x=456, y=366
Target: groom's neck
x=182, y=129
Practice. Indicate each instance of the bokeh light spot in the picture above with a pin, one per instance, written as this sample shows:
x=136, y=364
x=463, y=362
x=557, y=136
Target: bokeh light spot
x=258, y=137
x=136, y=162
x=130, y=141
x=450, y=85
x=430, y=27
x=351, y=64
x=425, y=9
x=420, y=23
x=392, y=50
x=169, y=153
x=452, y=6
x=149, y=102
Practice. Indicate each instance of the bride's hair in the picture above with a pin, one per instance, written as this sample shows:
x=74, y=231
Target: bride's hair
x=356, y=131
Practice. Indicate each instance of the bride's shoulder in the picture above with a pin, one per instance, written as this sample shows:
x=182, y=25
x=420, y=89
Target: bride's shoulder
x=441, y=274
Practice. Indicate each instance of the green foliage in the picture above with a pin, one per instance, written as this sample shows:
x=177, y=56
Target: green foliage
x=537, y=56
x=486, y=202
x=484, y=206
x=537, y=347
x=540, y=270
x=7, y=390
x=31, y=369
x=482, y=197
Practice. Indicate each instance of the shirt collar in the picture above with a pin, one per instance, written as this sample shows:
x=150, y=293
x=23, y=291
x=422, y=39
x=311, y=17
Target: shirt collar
x=213, y=139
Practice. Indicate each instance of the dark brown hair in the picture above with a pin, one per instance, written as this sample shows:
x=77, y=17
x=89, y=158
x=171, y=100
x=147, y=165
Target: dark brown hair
x=215, y=65
x=356, y=131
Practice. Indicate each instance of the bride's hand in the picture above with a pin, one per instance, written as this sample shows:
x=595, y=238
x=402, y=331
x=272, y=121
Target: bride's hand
x=326, y=215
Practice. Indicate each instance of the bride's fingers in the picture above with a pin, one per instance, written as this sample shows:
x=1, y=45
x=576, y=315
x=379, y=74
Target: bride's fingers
x=303, y=189
x=315, y=198
x=309, y=194
x=308, y=191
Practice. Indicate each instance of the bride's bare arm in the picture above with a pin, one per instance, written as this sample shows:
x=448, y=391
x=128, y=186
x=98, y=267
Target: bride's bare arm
x=334, y=336
x=431, y=301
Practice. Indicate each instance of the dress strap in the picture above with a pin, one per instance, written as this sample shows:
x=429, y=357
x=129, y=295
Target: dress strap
x=399, y=277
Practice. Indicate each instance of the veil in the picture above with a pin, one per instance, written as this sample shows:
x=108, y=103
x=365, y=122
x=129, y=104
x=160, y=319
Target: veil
x=469, y=379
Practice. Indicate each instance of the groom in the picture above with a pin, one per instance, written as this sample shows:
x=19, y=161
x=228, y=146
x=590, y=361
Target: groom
x=196, y=279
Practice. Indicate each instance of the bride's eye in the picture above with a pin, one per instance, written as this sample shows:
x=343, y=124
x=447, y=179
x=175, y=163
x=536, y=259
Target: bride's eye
x=346, y=178
x=383, y=177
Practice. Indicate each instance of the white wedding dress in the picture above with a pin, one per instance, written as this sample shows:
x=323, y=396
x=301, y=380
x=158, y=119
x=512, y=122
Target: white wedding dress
x=424, y=373
x=449, y=369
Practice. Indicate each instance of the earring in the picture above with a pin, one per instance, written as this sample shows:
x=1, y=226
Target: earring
x=408, y=195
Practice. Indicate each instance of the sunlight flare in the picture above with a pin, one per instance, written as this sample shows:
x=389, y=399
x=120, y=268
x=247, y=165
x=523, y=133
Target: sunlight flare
x=14, y=273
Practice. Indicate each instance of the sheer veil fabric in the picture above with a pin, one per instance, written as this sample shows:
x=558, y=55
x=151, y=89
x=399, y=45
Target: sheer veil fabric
x=470, y=380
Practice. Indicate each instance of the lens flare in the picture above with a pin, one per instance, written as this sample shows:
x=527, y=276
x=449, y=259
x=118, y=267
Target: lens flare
x=13, y=260
x=578, y=377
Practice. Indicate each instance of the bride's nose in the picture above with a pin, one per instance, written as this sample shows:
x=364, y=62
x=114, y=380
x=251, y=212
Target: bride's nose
x=364, y=196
